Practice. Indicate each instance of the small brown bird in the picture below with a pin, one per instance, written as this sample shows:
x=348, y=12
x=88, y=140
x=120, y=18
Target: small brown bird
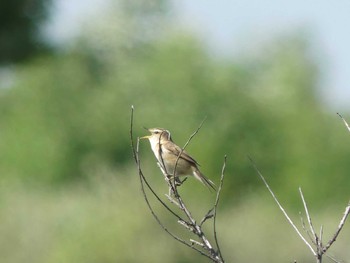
x=167, y=153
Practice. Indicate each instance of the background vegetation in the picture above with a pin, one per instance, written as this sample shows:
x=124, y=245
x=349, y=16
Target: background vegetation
x=69, y=190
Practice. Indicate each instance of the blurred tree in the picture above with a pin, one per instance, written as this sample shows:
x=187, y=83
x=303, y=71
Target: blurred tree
x=19, y=28
x=67, y=116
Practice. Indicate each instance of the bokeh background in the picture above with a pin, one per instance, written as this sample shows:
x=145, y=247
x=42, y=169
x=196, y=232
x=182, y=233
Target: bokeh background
x=69, y=189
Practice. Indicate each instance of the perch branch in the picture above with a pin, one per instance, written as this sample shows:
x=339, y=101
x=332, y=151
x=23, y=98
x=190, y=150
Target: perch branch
x=144, y=181
x=206, y=249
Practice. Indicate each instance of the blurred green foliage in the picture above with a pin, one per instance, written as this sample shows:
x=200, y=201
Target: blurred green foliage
x=71, y=113
x=109, y=222
x=67, y=175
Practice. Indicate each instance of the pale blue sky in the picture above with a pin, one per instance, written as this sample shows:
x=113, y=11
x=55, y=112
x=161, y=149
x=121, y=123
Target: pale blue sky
x=228, y=25
x=225, y=23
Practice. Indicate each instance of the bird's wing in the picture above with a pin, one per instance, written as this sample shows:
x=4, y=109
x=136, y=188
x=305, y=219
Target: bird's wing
x=176, y=150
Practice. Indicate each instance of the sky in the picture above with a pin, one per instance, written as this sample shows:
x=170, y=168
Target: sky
x=226, y=25
x=224, y=21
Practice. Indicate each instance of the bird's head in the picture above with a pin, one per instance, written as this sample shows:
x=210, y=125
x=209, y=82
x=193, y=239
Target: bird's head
x=157, y=134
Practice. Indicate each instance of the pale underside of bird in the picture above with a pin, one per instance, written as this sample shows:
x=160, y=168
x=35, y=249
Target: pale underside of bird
x=173, y=159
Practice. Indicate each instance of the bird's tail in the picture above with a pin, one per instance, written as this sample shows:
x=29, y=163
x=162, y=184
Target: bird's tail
x=207, y=182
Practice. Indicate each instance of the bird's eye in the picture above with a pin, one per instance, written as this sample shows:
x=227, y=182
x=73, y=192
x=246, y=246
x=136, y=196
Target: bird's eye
x=156, y=132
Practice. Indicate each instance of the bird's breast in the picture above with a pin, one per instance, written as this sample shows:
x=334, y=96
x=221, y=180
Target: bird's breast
x=169, y=160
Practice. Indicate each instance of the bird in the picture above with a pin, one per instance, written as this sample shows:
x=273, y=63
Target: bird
x=173, y=158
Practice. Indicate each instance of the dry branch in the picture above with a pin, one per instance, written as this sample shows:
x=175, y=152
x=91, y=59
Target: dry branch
x=319, y=249
x=282, y=209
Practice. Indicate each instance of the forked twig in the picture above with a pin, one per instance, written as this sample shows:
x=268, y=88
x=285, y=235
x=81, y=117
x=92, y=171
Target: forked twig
x=282, y=209
x=320, y=249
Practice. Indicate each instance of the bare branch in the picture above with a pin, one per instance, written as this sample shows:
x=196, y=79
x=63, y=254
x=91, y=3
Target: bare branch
x=188, y=141
x=316, y=240
x=321, y=236
x=217, y=202
x=308, y=217
x=282, y=209
x=340, y=227
x=187, y=226
x=207, y=216
x=197, y=243
x=332, y=258
x=171, y=200
x=306, y=230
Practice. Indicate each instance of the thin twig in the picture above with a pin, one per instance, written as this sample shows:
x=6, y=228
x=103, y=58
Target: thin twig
x=186, y=225
x=340, y=227
x=207, y=216
x=171, y=200
x=194, y=133
x=332, y=258
x=306, y=230
x=187, y=142
x=346, y=124
x=309, y=217
x=282, y=209
x=216, y=205
x=197, y=243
